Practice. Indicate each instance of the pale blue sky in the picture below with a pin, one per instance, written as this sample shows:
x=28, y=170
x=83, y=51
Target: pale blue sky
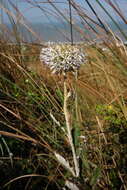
x=38, y=11
x=48, y=14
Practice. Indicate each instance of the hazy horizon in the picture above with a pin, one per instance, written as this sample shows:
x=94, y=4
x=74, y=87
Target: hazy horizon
x=59, y=32
x=50, y=26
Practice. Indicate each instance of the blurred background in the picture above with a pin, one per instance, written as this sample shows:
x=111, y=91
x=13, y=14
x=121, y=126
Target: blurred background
x=49, y=19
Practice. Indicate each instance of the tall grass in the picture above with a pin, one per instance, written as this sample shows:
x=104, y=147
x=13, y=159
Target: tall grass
x=32, y=121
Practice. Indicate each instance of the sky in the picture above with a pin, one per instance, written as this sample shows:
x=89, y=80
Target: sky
x=38, y=11
x=34, y=13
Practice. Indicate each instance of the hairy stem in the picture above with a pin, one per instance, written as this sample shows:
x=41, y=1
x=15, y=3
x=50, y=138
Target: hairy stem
x=68, y=125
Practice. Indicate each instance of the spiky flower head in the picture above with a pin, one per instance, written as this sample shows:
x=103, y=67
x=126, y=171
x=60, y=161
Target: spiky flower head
x=63, y=58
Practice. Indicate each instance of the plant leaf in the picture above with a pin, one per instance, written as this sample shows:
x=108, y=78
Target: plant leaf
x=95, y=176
x=71, y=185
x=64, y=163
x=75, y=136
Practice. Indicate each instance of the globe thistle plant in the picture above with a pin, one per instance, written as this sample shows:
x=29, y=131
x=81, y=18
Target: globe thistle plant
x=62, y=58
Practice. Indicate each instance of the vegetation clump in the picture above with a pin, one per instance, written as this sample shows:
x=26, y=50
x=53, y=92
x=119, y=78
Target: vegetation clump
x=63, y=126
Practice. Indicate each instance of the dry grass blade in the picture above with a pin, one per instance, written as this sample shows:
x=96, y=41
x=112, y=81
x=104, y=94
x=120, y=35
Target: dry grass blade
x=18, y=136
x=117, y=10
x=101, y=129
x=24, y=176
x=14, y=114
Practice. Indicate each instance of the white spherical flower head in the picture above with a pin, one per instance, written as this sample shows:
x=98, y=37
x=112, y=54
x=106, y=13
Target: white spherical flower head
x=63, y=58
